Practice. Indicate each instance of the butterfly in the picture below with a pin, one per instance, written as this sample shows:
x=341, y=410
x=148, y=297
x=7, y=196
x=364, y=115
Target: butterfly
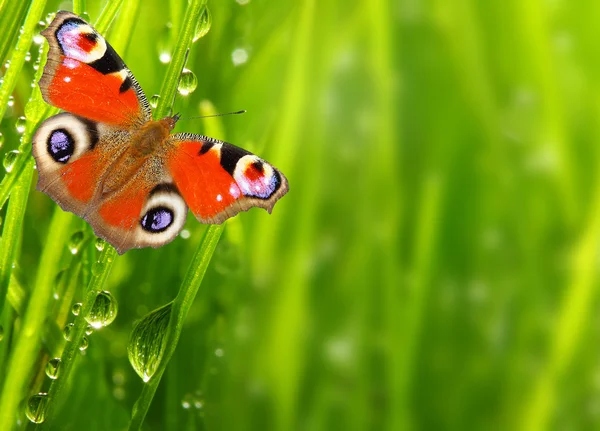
x=106, y=160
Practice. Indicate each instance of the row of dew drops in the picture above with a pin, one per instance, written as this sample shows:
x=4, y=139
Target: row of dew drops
x=187, y=84
x=102, y=313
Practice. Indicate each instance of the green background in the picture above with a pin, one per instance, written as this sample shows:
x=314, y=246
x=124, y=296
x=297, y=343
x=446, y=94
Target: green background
x=435, y=262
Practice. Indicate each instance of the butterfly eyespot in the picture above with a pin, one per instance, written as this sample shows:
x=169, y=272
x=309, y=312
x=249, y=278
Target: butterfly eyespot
x=60, y=145
x=157, y=219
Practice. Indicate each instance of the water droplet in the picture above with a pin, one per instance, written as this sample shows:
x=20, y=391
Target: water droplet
x=28, y=56
x=219, y=353
x=36, y=408
x=204, y=24
x=242, y=2
x=86, y=16
x=10, y=159
x=7, y=64
x=53, y=368
x=154, y=101
x=11, y=101
x=84, y=344
x=89, y=330
x=76, y=241
x=104, y=310
x=164, y=57
x=100, y=243
x=1, y=327
x=187, y=83
x=1, y=139
x=50, y=17
x=193, y=401
x=38, y=39
x=20, y=124
x=97, y=268
x=239, y=56
x=76, y=309
x=68, y=331
x=185, y=234
x=164, y=44
x=147, y=342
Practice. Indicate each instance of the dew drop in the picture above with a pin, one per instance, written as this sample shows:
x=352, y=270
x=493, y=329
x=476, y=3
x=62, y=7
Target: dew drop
x=50, y=17
x=20, y=124
x=38, y=39
x=1, y=139
x=97, y=268
x=28, y=57
x=7, y=64
x=164, y=57
x=76, y=309
x=147, y=342
x=89, y=330
x=76, y=241
x=104, y=310
x=9, y=160
x=53, y=368
x=185, y=234
x=193, y=401
x=242, y=2
x=1, y=332
x=11, y=101
x=239, y=56
x=84, y=344
x=68, y=332
x=204, y=24
x=164, y=44
x=99, y=243
x=154, y=101
x=187, y=82
x=36, y=408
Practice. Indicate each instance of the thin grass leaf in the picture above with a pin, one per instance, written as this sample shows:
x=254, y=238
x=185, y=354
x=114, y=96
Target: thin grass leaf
x=18, y=57
x=179, y=310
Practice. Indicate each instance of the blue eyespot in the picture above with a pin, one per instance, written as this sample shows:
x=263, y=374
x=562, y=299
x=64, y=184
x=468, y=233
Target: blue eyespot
x=157, y=219
x=61, y=145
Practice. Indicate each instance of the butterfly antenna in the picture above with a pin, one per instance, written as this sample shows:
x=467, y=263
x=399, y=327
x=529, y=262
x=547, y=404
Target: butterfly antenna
x=215, y=115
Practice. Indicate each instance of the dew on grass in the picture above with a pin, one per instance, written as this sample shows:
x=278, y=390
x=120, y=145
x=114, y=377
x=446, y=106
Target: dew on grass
x=146, y=344
x=187, y=82
x=9, y=160
x=76, y=309
x=68, y=331
x=154, y=101
x=103, y=311
x=53, y=368
x=36, y=408
x=204, y=24
x=20, y=124
x=75, y=242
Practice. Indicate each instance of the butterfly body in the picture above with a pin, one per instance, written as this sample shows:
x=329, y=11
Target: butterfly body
x=108, y=161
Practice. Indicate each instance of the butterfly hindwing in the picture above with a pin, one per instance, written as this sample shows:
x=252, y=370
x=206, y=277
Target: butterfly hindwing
x=89, y=170
x=218, y=180
x=84, y=75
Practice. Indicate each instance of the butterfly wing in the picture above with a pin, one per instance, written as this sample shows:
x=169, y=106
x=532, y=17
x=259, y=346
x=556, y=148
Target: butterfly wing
x=87, y=168
x=218, y=180
x=84, y=75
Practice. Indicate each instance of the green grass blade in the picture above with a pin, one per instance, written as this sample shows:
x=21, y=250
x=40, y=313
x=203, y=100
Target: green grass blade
x=179, y=310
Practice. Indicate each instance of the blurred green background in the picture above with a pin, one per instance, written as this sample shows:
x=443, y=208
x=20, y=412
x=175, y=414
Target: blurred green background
x=435, y=263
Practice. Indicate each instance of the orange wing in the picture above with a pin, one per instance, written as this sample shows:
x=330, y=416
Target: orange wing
x=218, y=180
x=84, y=75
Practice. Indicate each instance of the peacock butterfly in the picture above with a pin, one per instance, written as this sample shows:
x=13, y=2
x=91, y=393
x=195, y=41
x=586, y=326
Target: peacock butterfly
x=107, y=161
